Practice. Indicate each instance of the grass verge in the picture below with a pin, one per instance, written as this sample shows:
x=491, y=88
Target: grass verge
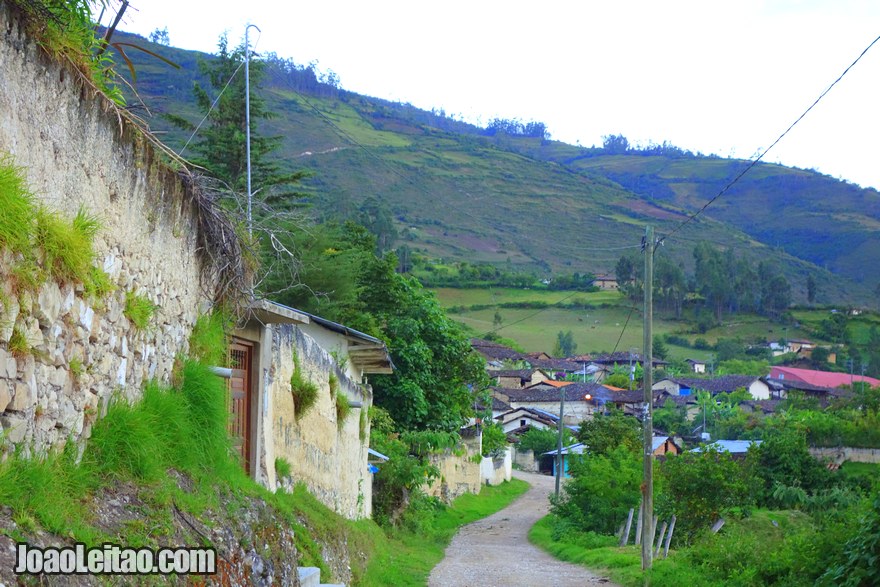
x=623, y=565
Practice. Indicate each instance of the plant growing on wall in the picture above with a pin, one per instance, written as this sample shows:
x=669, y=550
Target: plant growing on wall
x=282, y=468
x=304, y=392
x=139, y=310
x=18, y=344
x=333, y=382
x=343, y=409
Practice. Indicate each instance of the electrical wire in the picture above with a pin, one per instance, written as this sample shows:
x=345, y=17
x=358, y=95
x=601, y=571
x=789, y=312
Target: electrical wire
x=217, y=99
x=779, y=138
x=549, y=306
x=625, y=324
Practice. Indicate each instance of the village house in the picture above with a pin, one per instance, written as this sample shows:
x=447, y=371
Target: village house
x=696, y=366
x=819, y=378
x=547, y=396
x=738, y=449
x=519, y=378
x=682, y=386
x=606, y=282
x=326, y=450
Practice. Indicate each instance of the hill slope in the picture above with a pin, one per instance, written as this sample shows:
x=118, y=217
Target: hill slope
x=537, y=204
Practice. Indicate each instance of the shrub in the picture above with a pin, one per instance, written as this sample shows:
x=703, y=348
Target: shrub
x=699, y=487
x=208, y=341
x=601, y=491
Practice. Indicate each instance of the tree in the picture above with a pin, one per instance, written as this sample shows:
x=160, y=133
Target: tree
x=376, y=217
x=437, y=377
x=615, y=144
x=659, y=347
x=811, y=289
x=160, y=36
x=497, y=319
x=604, y=433
x=783, y=459
x=220, y=145
x=565, y=344
x=699, y=487
x=601, y=491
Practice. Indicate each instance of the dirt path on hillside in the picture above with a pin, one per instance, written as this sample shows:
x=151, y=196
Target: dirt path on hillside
x=496, y=550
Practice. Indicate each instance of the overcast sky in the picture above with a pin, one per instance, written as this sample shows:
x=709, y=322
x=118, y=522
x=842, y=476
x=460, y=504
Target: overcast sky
x=709, y=76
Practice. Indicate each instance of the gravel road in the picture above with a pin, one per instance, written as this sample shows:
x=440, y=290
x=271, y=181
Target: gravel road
x=496, y=550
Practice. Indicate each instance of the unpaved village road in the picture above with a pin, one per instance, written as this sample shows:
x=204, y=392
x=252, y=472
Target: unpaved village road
x=496, y=551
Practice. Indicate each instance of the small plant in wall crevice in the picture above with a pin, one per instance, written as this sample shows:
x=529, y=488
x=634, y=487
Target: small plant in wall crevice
x=139, y=310
x=305, y=393
x=343, y=409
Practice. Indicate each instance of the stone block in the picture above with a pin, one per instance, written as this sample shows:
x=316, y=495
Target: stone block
x=48, y=306
x=24, y=398
x=14, y=427
x=5, y=394
x=8, y=365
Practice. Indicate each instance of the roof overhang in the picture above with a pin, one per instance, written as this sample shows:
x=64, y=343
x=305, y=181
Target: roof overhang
x=267, y=312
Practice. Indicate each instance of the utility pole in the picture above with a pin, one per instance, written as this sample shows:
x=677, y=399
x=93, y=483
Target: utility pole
x=247, y=123
x=648, y=381
x=559, y=459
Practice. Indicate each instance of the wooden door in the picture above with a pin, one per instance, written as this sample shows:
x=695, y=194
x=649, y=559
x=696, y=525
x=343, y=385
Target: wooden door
x=241, y=360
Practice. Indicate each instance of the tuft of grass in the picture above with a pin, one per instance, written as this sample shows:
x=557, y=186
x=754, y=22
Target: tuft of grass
x=139, y=310
x=282, y=467
x=98, y=284
x=333, y=382
x=343, y=409
x=68, y=247
x=18, y=344
x=210, y=337
x=76, y=368
x=305, y=393
x=16, y=208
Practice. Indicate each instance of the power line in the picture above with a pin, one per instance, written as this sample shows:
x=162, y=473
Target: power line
x=625, y=324
x=779, y=138
x=550, y=306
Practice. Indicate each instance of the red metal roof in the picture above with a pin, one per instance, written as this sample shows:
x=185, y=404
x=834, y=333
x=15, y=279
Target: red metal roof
x=820, y=378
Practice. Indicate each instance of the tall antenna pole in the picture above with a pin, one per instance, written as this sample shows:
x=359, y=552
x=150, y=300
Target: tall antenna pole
x=247, y=123
x=648, y=381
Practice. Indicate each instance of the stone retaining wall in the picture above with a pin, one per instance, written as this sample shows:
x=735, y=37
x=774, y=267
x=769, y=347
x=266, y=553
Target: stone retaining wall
x=76, y=151
x=845, y=453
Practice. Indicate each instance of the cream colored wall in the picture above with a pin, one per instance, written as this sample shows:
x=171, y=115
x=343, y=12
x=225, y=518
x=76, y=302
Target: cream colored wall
x=76, y=152
x=330, y=459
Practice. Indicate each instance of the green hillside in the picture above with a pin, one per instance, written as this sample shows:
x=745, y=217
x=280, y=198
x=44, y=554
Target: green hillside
x=531, y=203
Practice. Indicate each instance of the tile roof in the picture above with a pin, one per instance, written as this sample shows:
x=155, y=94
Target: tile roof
x=715, y=385
x=551, y=383
x=546, y=393
x=789, y=384
x=622, y=357
x=493, y=350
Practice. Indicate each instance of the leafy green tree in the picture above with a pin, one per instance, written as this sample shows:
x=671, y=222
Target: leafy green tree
x=783, y=458
x=604, y=433
x=757, y=368
x=811, y=288
x=494, y=440
x=659, y=347
x=699, y=487
x=541, y=441
x=671, y=418
x=376, y=217
x=565, y=344
x=436, y=369
x=602, y=489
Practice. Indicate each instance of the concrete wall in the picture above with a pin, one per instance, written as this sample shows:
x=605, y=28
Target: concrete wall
x=845, y=453
x=78, y=151
x=525, y=460
x=498, y=470
x=459, y=473
x=329, y=457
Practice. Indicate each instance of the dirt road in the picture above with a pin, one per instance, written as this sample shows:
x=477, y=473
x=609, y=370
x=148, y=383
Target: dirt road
x=496, y=550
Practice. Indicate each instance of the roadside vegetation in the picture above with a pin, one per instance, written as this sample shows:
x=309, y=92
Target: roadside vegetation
x=790, y=520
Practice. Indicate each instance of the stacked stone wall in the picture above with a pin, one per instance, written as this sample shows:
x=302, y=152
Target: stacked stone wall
x=77, y=151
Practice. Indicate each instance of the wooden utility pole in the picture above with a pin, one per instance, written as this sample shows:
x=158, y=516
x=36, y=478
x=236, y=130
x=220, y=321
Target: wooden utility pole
x=560, y=460
x=648, y=381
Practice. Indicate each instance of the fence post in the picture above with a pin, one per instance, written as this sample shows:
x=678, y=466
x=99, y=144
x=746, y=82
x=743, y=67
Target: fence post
x=669, y=537
x=629, y=520
x=639, y=525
